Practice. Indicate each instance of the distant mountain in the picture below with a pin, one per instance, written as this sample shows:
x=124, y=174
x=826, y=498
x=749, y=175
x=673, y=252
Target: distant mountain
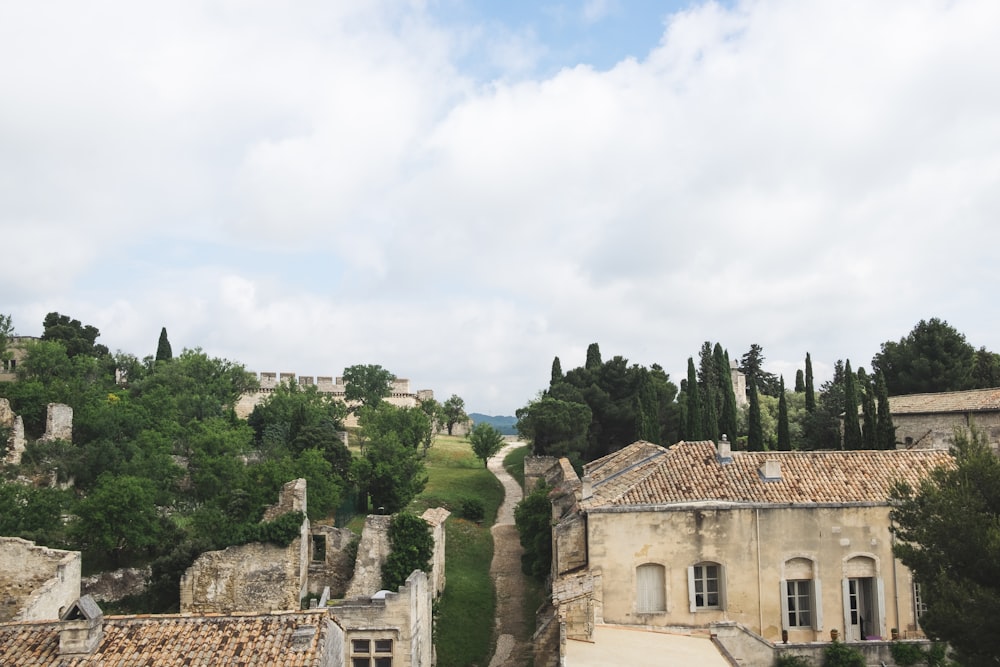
x=506, y=425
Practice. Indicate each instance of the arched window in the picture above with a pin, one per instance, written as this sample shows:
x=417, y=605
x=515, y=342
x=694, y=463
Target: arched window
x=651, y=588
x=706, y=586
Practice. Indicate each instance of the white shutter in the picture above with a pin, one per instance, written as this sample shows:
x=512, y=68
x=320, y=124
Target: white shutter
x=722, y=587
x=846, y=601
x=650, y=584
x=784, y=604
x=818, y=605
x=692, y=603
x=880, y=606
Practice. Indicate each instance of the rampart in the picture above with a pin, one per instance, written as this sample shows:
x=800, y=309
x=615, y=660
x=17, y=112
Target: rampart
x=36, y=583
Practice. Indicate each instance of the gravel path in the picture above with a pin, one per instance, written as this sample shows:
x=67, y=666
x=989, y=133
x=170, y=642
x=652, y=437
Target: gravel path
x=513, y=629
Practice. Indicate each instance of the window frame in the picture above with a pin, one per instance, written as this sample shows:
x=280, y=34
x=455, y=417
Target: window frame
x=698, y=578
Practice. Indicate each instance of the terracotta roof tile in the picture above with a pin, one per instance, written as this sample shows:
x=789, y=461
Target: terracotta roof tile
x=163, y=641
x=952, y=401
x=691, y=472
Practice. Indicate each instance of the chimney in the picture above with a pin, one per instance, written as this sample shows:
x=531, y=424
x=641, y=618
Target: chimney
x=725, y=451
x=302, y=637
x=587, y=487
x=82, y=628
x=770, y=471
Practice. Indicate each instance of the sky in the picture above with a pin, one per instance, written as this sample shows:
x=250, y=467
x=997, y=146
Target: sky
x=461, y=191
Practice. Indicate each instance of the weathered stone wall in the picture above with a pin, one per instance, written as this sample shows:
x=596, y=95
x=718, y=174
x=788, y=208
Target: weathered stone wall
x=936, y=431
x=372, y=552
x=58, y=423
x=15, y=444
x=435, y=518
x=332, y=567
x=405, y=617
x=116, y=584
x=36, y=583
x=539, y=469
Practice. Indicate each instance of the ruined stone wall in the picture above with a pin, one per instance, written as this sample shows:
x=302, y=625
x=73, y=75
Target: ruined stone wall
x=116, y=584
x=539, y=469
x=36, y=583
x=372, y=552
x=58, y=423
x=330, y=566
x=936, y=431
x=435, y=518
x=405, y=617
x=13, y=448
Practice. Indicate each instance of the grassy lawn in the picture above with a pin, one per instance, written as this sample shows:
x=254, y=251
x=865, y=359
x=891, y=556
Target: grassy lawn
x=464, y=628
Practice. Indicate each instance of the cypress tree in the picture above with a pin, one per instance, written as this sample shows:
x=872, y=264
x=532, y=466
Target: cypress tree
x=869, y=439
x=648, y=410
x=163, y=351
x=800, y=383
x=593, y=358
x=708, y=384
x=885, y=430
x=755, y=430
x=784, y=436
x=852, y=427
x=727, y=415
x=694, y=420
x=557, y=374
x=810, y=391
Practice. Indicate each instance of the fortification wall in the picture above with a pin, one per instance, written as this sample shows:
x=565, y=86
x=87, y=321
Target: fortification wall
x=36, y=583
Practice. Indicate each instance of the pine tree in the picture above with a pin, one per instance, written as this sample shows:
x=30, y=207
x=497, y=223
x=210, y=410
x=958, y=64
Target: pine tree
x=727, y=415
x=163, y=351
x=885, y=437
x=557, y=374
x=755, y=429
x=868, y=434
x=800, y=383
x=810, y=391
x=784, y=436
x=852, y=428
x=694, y=420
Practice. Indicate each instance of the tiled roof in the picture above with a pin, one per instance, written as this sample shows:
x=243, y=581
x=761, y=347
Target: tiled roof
x=165, y=641
x=691, y=472
x=973, y=400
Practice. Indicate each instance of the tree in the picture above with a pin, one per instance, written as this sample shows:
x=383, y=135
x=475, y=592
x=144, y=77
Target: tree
x=6, y=332
x=557, y=374
x=709, y=386
x=593, y=357
x=727, y=418
x=752, y=365
x=366, y=385
x=533, y=519
x=75, y=336
x=755, y=428
x=810, y=393
x=163, y=351
x=392, y=473
x=412, y=547
x=784, y=436
x=409, y=425
x=800, y=382
x=933, y=357
x=453, y=411
x=555, y=427
x=985, y=370
x=119, y=517
x=869, y=439
x=948, y=534
x=432, y=409
x=885, y=437
x=852, y=428
x=486, y=441
x=695, y=423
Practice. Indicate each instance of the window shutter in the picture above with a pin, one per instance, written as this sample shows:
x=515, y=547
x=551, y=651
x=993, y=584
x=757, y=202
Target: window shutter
x=845, y=585
x=784, y=604
x=722, y=587
x=818, y=605
x=880, y=605
x=692, y=604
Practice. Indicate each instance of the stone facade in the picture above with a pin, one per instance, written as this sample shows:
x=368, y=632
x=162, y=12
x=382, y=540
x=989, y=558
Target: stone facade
x=14, y=447
x=253, y=577
x=372, y=552
x=58, y=423
x=928, y=421
x=329, y=564
x=397, y=625
x=36, y=583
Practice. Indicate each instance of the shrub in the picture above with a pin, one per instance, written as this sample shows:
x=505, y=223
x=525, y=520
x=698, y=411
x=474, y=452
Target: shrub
x=839, y=654
x=790, y=660
x=905, y=654
x=472, y=509
x=412, y=548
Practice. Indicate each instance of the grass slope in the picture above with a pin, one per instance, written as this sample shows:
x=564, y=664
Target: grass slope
x=464, y=627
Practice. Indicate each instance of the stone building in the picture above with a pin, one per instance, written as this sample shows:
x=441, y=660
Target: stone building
x=749, y=547
x=928, y=421
x=36, y=582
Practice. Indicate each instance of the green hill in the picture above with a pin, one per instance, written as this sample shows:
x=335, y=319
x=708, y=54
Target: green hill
x=506, y=425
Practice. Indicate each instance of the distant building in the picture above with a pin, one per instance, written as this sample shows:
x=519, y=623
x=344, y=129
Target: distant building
x=928, y=421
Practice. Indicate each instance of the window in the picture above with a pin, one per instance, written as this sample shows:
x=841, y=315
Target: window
x=651, y=587
x=371, y=653
x=319, y=548
x=919, y=606
x=799, y=601
x=706, y=586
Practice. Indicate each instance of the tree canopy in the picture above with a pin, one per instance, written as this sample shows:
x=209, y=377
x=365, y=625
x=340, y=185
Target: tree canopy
x=453, y=412
x=933, y=357
x=948, y=533
x=367, y=384
x=486, y=441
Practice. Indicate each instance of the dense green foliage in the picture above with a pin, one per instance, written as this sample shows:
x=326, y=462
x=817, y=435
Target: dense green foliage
x=839, y=654
x=784, y=434
x=163, y=350
x=809, y=385
x=367, y=384
x=412, y=546
x=948, y=533
x=486, y=441
x=755, y=427
x=852, y=428
x=453, y=412
x=694, y=427
x=533, y=518
x=391, y=470
x=885, y=431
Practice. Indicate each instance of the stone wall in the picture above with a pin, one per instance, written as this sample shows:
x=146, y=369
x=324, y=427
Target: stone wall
x=329, y=564
x=435, y=518
x=936, y=431
x=404, y=618
x=36, y=583
x=58, y=423
x=372, y=552
x=116, y=584
x=15, y=444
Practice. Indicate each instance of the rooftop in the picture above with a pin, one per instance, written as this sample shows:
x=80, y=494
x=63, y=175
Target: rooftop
x=645, y=474
x=178, y=639
x=973, y=400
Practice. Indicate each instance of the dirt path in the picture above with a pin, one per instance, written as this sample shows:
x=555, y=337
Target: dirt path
x=513, y=649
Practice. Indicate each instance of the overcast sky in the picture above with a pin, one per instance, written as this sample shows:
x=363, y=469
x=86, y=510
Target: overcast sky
x=461, y=193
